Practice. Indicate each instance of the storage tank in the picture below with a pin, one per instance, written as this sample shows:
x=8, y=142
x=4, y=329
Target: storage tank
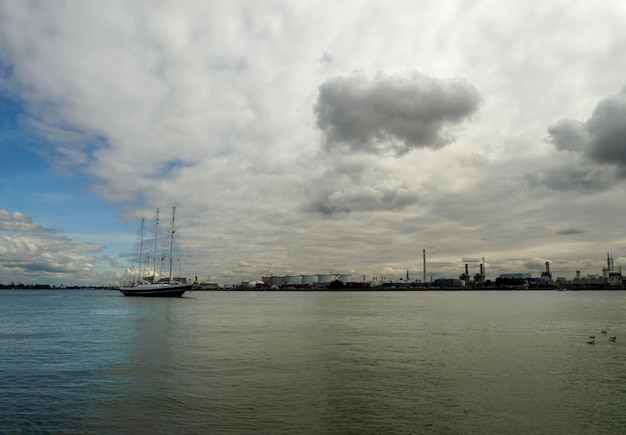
x=325, y=278
x=308, y=279
x=293, y=279
x=345, y=277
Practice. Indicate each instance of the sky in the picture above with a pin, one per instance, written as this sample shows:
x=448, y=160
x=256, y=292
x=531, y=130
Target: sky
x=306, y=137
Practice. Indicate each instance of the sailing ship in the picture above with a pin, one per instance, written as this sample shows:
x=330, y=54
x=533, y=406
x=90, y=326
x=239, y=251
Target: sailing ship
x=149, y=285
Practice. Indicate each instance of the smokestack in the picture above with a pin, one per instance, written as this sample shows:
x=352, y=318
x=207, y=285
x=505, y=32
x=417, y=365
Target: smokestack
x=466, y=273
x=424, y=255
x=482, y=273
x=547, y=268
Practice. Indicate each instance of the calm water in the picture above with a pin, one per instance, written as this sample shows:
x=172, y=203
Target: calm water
x=315, y=362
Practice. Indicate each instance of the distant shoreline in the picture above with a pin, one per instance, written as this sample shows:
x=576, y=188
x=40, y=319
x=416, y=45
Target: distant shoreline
x=306, y=290
x=382, y=289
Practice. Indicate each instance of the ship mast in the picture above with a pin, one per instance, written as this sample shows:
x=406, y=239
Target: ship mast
x=156, y=238
x=141, y=252
x=172, y=242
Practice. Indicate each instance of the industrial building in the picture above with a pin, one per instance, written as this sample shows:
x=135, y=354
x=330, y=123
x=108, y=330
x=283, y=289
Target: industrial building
x=611, y=278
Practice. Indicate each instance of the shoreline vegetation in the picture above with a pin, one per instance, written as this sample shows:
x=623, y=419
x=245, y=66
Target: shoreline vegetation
x=52, y=287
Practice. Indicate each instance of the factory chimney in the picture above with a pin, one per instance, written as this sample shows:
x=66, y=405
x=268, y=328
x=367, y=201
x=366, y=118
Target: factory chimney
x=482, y=275
x=424, y=255
x=547, y=275
x=466, y=274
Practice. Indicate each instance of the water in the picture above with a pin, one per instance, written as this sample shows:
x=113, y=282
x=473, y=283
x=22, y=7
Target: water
x=313, y=362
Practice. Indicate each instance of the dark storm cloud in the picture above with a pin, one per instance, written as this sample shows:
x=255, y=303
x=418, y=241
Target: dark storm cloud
x=601, y=139
x=607, y=130
x=392, y=114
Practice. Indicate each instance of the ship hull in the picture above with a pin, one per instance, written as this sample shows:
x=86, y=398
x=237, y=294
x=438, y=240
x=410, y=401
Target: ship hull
x=157, y=291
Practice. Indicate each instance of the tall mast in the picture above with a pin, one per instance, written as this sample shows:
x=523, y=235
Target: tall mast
x=172, y=242
x=141, y=251
x=156, y=238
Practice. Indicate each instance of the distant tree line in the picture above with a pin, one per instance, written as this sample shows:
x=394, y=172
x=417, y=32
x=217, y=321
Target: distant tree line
x=14, y=286
x=26, y=286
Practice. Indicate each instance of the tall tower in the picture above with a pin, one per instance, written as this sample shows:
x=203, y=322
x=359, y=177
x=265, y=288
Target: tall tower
x=483, y=272
x=424, y=255
x=547, y=276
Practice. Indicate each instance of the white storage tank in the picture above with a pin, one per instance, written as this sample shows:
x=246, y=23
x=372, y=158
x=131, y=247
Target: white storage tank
x=293, y=279
x=345, y=277
x=325, y=278
x=308, y=279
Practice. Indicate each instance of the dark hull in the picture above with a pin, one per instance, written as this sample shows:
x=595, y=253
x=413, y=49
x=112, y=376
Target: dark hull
x=164, y=292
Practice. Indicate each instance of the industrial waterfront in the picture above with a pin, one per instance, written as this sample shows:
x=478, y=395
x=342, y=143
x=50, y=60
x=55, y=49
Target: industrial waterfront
x=610, y=278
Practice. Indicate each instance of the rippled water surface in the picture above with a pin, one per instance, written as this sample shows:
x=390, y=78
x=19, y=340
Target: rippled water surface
x=313, y=362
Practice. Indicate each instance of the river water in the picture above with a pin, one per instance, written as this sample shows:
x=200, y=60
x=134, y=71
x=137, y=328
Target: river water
x=471, y=362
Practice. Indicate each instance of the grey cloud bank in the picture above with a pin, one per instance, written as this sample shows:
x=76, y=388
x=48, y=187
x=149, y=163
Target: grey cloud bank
x=392, y=113
x=597, y=149
x=602, y=138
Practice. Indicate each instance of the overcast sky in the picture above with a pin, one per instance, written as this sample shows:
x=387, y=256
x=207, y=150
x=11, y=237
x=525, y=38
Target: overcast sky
x=313, y=136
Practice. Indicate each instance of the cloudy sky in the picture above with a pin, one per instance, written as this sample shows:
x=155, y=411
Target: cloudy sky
x=313, y=136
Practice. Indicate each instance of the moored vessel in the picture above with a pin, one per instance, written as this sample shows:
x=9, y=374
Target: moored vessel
x=164, y=287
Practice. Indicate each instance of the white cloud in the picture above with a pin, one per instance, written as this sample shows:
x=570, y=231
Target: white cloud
x=30, y=253
x=16, y=221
